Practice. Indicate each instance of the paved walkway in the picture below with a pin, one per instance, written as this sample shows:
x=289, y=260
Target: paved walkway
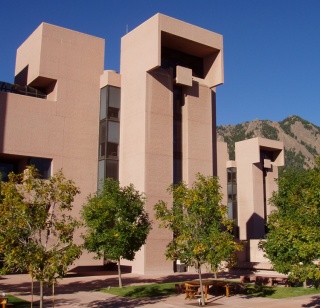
x=80, y=290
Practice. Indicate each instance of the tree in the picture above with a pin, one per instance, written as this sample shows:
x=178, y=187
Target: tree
x=202, y=233
x=117, y=223
x=293, y=241
x=36, y=232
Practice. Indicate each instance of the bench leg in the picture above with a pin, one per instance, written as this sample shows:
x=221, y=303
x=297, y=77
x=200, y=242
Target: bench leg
x=190, y=294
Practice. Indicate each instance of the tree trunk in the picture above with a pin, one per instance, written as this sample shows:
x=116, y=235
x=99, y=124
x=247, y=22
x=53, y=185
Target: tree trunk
x=119, y=274
x=41, y=294
x=31, y=304
x=305, y=284
x=53, y=294
x=201, y=286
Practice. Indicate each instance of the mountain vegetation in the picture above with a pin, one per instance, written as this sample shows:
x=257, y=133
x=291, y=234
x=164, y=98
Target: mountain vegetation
x=301, y=138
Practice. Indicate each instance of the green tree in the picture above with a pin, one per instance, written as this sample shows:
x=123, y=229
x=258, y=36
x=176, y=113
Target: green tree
x=36, y=232
x=202, y=232
x=293, y=241
x=117, y=223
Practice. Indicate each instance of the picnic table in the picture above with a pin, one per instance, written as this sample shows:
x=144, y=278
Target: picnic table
x=193, y=286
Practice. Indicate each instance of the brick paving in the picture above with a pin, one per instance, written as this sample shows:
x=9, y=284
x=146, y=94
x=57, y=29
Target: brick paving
x=81, y=290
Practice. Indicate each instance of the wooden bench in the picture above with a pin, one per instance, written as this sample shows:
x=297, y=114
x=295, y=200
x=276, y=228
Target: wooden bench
x=4, y=302
x=232, y=288
x=192, y=287
x=191, y=290
x=265, y=279
x=180, y=288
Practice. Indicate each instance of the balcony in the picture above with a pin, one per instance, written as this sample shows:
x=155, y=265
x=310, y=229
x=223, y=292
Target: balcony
x=22, y=90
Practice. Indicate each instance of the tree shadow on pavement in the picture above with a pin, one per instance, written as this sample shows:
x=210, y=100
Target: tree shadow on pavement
x=94, y=280
x=118, y=302
x=315, y=302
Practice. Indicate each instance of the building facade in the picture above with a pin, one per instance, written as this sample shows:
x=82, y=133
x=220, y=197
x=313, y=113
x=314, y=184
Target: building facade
x=248, y=184
x=152, y=124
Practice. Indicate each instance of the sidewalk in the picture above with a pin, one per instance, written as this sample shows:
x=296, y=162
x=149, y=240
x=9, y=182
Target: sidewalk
x=80, y=291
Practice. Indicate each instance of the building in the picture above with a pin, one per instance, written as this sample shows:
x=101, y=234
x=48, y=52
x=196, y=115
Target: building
x=248, y=183
x=150, y=125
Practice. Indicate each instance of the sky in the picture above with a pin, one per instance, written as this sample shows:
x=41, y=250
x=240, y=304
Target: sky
x=271, y=47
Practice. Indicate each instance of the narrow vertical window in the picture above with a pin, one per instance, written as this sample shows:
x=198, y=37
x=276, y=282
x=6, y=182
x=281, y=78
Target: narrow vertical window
x=109, y=133
x=177, y=134
x=232, y=198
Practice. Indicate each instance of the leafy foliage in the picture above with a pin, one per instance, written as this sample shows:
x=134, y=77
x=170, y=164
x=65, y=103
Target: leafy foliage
x=293, y=160
x=36, y=232
x=117, y=223
x=202, y=232
x=293, y=241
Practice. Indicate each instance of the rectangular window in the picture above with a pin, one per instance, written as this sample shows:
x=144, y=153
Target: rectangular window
x=102, y=149
x=102, y=138
x=177, y=135
x=17, y=164
x=114, y=103
x=112, y=150
x=103, y=131
x=232, y=199
x=109, y=134
x=103, y=102
x=113, y=132
x=101, y=173
x=114, y=97
x=5, y=169
x=112, y=169
x=43, y=165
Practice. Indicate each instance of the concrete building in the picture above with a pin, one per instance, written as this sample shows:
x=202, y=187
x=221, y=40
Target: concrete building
x=150, y=125
x=249, y=182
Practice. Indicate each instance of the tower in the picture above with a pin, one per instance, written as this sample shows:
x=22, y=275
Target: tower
x=169, y=71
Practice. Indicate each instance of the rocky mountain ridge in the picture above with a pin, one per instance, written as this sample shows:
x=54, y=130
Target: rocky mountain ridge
x=301, y=138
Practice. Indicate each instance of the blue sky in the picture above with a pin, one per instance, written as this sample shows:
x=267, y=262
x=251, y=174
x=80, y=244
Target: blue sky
x=271, y=47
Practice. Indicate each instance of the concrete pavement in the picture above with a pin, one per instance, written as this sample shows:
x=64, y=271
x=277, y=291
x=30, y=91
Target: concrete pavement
x=80, y=290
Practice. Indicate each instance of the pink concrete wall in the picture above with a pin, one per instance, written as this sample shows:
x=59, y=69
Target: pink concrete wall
x=66, y=128
x=69, y=64
x=223, y=158
x=250, y=183
x=146, y=144
x=197, y=133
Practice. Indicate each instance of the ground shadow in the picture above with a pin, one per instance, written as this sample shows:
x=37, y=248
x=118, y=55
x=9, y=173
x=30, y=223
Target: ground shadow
x=258, y=291
x=107, y=279
x=315, y=302
x=88, y=282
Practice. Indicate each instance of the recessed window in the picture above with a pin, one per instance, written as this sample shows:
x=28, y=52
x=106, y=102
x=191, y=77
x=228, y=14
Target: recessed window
x=103, y=102
x=112, y=169
x=43, y=165
x=5, y=169
x=109, y=134
x=18, y=163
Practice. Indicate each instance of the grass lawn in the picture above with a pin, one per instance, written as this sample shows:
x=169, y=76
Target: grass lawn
x=17, y=301
x=167, y=289
x=278, y=292
x=150, y=290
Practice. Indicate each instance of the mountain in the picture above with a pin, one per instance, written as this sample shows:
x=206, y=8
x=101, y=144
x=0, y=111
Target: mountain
x=301, y=138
